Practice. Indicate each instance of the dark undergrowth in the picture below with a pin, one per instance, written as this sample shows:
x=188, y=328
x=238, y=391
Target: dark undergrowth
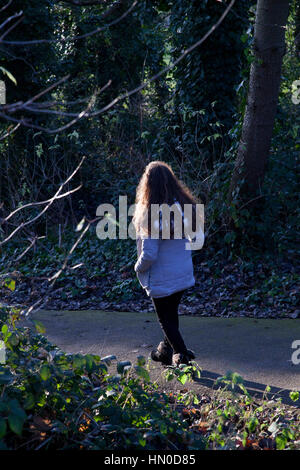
x=52, y=400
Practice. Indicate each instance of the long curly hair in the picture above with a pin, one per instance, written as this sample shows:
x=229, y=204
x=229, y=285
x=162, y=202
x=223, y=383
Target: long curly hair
x=159, y=185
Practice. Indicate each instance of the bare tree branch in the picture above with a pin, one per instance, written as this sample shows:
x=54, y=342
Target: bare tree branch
x=39, y=203
x=32, y=243
x=4, y=51
x=43, y=301
x=20, y=104
x=34, y=219
x=31, y=106
x=13, y=26
x=16, y=15
x=70, y=38
x=86, y=113
x=6, y=6
x=10, y=131
x=78, y=116
x=58, y=273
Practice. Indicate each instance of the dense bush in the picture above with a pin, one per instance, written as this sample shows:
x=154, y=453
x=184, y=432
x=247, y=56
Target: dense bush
x=53, y=400
x=189, y=117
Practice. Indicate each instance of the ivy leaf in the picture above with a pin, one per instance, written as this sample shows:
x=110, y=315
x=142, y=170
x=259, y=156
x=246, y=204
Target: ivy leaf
x=182, y=378
x=4, y=329
x=141, y=360
x=2, y=427
x=294, y=396
x=252, y=425
x=280, y=442
x=6, y=377
x=10, y=284
x=89, y=362
x=45, y=372
x=142, y=373
x=16, y=423
x=29, y=402
x=39, y=326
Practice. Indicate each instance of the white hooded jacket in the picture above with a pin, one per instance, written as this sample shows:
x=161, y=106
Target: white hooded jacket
x=165, y=266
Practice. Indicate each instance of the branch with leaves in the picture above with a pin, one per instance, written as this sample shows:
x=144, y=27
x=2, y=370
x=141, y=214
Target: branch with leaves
x=68, y=38
x=39, y=108
x=89, y=3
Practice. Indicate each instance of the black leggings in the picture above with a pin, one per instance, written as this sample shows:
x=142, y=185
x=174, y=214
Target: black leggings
x=167, y=313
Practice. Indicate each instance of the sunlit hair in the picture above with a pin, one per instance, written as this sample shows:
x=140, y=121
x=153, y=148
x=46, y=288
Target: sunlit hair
x=159, y=185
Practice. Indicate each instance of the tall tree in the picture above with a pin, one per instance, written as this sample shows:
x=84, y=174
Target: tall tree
x=265, y=75
x=208, y=75
x=211, y=72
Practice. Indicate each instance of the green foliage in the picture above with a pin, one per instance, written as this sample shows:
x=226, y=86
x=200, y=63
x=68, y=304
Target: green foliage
x=232, y=419
x=183, y=372
x=206, y=79
x=294, y=396
x=189, y=118
x=55, y=400
x=102, y=270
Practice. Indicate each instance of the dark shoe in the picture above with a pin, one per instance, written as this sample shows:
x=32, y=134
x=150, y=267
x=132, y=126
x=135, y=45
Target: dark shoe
x=182, y=358
x=162, y=354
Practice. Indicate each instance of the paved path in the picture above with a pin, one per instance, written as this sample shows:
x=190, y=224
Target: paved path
x=259, y=350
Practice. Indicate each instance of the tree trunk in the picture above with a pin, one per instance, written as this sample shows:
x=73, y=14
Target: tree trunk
x=265, y=74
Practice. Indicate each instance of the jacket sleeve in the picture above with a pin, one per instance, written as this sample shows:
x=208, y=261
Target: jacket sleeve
x=149, y=248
